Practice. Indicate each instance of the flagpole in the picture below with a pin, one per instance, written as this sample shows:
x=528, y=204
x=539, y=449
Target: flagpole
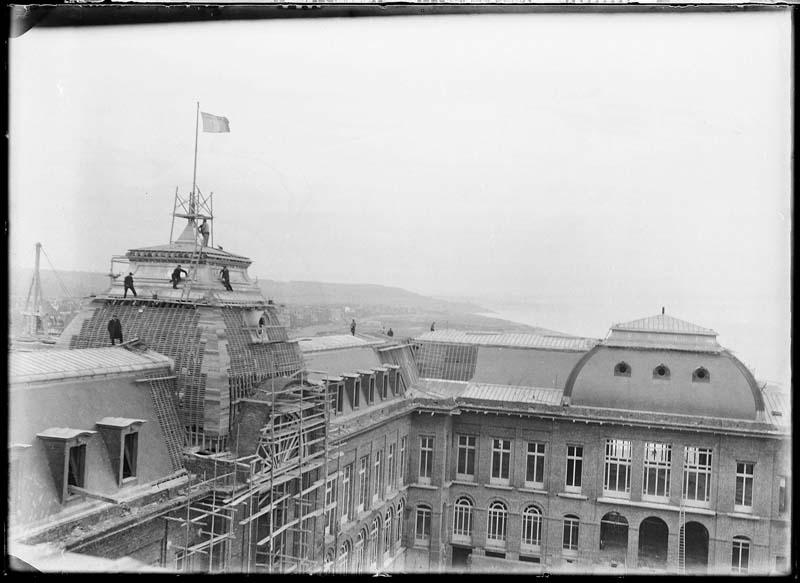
x=194, y=175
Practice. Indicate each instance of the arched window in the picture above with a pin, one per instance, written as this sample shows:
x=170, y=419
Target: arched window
x=343, y=563
x=661, y=372
x=327, y=566
x=374, y=543
x=358, y=554
x=387, y=532
x=701, y=375
x=498, y=517
x=462, y=518
x=740, y=555
x=623, y=369
x=400, y=523
x=571, y=531
x=531, y=526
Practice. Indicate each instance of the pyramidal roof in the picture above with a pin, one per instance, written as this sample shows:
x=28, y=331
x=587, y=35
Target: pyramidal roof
x=662, y=332
x=664, y=324
x=182, y=249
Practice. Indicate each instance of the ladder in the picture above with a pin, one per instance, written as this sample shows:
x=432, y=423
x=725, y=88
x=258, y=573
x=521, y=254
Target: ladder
x=681, y=539
x=192, y=275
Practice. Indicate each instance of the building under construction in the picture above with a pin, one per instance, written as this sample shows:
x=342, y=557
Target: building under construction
x=208, y=441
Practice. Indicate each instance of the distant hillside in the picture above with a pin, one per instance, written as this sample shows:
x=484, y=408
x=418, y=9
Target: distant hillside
x=77, y=283
x=320, y=293
x=81, y=284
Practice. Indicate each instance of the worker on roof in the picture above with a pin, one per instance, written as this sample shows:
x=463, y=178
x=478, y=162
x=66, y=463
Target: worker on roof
x=433, y=326
x=353, y=327
x=176, y=276
x=115, y=329
x=205, y=231
x=226, y=278
x=129, y=285
x=390, y=333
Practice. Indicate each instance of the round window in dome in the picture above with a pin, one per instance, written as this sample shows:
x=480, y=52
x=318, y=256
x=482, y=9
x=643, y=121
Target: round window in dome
x=661, y=372
x=622, y=369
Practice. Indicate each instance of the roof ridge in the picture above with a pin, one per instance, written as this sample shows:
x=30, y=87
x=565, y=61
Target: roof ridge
x=664, y=323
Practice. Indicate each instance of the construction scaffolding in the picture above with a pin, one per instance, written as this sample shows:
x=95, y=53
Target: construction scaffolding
x=268, y=506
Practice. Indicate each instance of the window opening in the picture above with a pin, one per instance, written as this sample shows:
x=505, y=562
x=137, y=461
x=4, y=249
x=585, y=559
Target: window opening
x=465, y=465
x=498, y=515
x=574, y=468
x=661, y=372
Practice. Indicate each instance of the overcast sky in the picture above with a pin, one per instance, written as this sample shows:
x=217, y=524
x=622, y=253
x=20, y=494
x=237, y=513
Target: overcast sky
x=624, y=156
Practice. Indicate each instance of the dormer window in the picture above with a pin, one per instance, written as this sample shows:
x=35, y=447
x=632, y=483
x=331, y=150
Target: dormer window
x=339, y=397
x=701, y=375
x=661, y=373
x=121, y=436
x=622, y=369
x=352, y=387
x=65, y=449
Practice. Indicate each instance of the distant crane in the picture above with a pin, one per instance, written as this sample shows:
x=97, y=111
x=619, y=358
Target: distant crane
x=34, y=312
x=33, y=309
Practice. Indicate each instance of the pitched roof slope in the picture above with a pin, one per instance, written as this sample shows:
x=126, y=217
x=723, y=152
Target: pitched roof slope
x=28, y=367
x=509, y=339
x=663, y=332
x=664, y=323
x=333, y=342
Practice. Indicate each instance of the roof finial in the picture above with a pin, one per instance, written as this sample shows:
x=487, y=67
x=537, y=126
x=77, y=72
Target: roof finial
x=662, y=310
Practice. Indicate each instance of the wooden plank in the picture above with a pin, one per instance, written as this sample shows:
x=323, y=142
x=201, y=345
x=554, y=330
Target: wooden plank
x=207, y=543
x=264, y=510
x=313, y=487
x=278, y=532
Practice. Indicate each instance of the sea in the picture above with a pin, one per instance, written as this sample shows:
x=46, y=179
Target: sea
x=756, y=330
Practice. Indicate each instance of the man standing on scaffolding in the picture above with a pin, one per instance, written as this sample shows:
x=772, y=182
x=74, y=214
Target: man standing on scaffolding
x=129, y=285
x=226, y=278
x=115, y=329
x=205, y=231
x=176, y=276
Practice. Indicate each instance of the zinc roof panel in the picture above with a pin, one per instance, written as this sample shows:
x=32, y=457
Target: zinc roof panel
x=55, y=364
x=490, y=392
x=487, y=391
x=333, y=342
x=664, y=323
x=119, y=421
x=777, y=404
x=509, y=339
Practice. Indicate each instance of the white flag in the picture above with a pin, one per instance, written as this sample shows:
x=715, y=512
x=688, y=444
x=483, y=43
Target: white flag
x=215, y=123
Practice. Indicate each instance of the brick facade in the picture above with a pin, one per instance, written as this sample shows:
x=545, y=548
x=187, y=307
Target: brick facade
x=763, y=525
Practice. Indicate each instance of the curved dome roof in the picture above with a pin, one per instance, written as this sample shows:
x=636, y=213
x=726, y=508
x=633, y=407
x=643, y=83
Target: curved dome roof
x=727, y=388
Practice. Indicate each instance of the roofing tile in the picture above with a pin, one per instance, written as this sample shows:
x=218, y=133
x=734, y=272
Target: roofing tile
x=509, y=339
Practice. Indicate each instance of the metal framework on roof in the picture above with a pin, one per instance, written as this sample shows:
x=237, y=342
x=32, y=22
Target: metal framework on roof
x=271, y=498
